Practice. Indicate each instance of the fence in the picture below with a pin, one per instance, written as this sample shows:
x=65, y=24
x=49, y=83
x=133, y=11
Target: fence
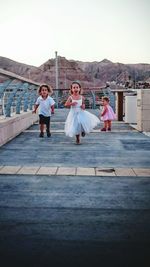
x=18, y=94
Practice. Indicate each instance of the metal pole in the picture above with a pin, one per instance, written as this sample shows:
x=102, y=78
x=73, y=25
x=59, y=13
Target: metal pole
x=94, y=99
x=56, y=69
x=56, y=72
x=65, y=78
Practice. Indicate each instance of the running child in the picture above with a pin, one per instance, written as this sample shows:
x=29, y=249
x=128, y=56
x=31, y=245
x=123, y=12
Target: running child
x=79, y=122
x=46, y=105
x=107, y=114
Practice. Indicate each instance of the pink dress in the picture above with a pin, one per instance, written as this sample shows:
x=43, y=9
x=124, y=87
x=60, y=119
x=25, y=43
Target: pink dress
x=109, y=115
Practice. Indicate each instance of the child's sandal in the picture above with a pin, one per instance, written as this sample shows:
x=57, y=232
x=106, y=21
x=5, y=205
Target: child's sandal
x=103, y=130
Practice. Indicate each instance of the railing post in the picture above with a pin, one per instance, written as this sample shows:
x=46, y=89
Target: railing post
x=2, y=91
x=18, y=104
x=10, y=100
x=94, y=100
x=32, y=96
x=26, y=95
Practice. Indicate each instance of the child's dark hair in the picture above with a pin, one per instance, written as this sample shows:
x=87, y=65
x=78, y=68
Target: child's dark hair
x=106, y=98
x=75, y=82
x=49, y=88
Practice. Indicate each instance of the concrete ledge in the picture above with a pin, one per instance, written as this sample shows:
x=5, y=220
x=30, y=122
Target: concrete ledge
x=75, y=171
x=66, y=171
x=11, y=127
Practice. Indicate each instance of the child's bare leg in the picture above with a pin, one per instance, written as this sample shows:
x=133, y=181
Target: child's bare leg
x=77, y=139
x=41, y=130
x=105, y=126
x=42, y=127
x=48, y=128
x=109, y=125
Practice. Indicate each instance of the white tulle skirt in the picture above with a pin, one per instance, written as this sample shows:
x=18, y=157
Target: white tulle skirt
x=79, y=121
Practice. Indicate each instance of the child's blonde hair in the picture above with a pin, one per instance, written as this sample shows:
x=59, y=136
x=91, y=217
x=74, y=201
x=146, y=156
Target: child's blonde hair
x=49, y=88
x=75, y=82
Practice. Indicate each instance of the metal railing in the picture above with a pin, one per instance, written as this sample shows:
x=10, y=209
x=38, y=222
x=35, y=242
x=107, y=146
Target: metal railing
x=17, y=94
x=92, y=96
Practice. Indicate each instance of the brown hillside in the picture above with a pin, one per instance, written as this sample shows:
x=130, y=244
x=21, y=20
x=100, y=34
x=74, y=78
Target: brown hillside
x=89, y=73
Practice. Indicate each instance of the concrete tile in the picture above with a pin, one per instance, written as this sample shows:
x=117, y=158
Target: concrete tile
x=105, y=172
x=142, y=171
x=9, y=169
x=124, y=172
x=47, y=171
x=66, y=171
x=28, y=170
x=86, y=171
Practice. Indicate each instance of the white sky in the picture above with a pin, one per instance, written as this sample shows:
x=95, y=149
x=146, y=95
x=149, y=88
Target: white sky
x=89, y=30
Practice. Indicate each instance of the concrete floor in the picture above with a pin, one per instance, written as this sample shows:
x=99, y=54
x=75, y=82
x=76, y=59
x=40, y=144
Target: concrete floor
x=66, y=220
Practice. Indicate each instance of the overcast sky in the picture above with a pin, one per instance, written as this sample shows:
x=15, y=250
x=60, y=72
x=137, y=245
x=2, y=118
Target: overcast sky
x=88, y=30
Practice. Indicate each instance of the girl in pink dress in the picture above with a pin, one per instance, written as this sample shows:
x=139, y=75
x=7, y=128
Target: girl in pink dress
x=107, y=114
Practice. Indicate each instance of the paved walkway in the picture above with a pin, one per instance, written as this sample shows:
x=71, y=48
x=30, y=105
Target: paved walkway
x=67, y=205
x=73, y=171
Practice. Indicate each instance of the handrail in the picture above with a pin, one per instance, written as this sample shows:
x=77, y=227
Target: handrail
x=15, y=99
x=16, y=93
x=16, y=76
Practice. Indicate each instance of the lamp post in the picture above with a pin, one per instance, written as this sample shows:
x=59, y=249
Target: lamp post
x=56, y=76
x=56, y=69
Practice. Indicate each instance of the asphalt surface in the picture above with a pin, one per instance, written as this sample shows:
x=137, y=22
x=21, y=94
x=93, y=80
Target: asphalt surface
x=75, y=220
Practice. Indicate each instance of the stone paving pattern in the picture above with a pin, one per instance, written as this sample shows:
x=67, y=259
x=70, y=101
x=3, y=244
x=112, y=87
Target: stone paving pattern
x=67, y=205
x=38, y=170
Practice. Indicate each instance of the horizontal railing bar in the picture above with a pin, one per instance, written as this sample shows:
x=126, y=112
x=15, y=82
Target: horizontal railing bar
x=18, y=77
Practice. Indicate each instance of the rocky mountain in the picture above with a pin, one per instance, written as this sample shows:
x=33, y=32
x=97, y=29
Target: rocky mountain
x=91, y=74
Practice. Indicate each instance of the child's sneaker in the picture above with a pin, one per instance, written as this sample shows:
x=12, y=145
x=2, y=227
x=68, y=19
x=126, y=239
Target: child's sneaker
x=41, y=134
x=83, y=134
x=48, y=134
x=103, y=130
x=109, y=129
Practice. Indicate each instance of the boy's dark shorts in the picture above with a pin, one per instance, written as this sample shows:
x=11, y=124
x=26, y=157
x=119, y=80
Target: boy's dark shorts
x=44, y=120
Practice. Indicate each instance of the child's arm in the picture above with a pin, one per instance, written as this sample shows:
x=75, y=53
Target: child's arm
x=52, y=109
x=104, y=111
x=35, y=108
x=69, y=103
x=83, y=103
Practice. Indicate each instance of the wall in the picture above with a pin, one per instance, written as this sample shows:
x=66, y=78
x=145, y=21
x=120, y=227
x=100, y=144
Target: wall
x=143, y=110
x=11, y=127
x=131, y=109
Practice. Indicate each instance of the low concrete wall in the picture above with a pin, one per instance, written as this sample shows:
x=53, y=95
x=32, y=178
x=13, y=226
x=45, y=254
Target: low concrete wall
x=143, y=110
x=11, y=127
x=131, y=109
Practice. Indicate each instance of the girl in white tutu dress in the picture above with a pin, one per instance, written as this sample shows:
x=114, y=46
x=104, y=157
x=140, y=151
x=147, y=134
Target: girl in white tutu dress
x=79, y=122
x=107, y=114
